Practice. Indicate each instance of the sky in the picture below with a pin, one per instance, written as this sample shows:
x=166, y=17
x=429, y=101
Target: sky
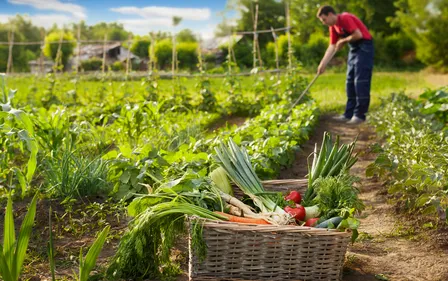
x=140, y=17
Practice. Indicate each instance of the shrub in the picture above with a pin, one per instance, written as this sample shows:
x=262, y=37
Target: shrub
x=163, y=52
x=117, y=66
x=312, y=52
x=187, y=54
x=140, y=46
x=51, y=50
x=92, y=64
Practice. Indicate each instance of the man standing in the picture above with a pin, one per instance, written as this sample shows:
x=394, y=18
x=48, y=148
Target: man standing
x=347, y=28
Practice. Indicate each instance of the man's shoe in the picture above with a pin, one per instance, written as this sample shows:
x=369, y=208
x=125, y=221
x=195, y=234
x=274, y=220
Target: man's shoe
x=341, y=118
x=356, y=120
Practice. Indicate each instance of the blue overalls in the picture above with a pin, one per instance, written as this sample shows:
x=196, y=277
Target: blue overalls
x=359, y=77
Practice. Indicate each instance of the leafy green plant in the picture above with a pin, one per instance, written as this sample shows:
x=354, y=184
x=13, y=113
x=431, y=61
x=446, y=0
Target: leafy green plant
x=436, y=102
x=414, y=157
x=70, y=174
x=17, y=126
x=87, y=263
x=159, y=221
x=13, y=252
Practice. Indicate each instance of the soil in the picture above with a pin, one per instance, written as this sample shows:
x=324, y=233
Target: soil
x=227, y=121
x=390, y=246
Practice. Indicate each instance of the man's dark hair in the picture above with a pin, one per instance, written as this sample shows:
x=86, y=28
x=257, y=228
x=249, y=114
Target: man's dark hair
x=325, y=10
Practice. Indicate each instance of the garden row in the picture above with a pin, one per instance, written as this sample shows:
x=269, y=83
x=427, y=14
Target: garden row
x=414, y=158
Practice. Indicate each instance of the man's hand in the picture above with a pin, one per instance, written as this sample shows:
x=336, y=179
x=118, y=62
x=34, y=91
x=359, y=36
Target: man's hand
x=321, y=69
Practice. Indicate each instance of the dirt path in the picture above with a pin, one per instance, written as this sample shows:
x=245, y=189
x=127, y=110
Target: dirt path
x=389, y=247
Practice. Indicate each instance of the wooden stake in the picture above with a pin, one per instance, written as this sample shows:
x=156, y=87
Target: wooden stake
x=41, y=58
x=11, y=44
x=200, y=64
x=129, y=54
x=277, y=64
x=288, y=23
x=229, y=52
x=151, y=47
x=78, y=58
x=59, y=52
x=103, y=67
x=255, y=21
x=233, y=50
x=173, y=59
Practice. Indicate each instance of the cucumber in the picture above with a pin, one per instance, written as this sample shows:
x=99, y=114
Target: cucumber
x=335, y=221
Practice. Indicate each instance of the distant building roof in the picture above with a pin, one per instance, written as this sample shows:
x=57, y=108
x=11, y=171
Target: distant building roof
x=215, y=43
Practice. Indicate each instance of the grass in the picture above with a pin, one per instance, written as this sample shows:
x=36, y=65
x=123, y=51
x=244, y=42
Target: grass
x=329, y=89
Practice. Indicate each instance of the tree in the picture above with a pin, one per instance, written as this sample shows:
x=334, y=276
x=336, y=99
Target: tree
x=305, y=22
x=186, y=35
x=425, y=21
x=140, y=46
x=114, y=31
x=85, y=30
x=271, y=13
x=51, y=46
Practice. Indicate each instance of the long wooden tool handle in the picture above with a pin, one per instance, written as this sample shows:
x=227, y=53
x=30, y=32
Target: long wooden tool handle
x=306, y=90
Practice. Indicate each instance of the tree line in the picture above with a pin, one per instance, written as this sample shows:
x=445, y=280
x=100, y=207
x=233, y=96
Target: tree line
x=406, y=33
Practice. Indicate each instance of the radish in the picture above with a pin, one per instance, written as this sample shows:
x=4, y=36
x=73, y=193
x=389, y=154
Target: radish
x=298, y=213
x=311, y=222
x=294, y=196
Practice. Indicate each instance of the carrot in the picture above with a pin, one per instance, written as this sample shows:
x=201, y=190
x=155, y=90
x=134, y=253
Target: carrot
x=233, y=218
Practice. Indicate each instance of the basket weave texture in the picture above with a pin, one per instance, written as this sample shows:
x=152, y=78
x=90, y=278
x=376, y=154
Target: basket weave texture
x=268, y=252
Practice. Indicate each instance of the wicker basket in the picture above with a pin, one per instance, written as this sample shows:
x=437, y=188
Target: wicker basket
x=268, y=252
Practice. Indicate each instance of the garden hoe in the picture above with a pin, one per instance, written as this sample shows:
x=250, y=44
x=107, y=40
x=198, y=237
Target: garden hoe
x=309, y=85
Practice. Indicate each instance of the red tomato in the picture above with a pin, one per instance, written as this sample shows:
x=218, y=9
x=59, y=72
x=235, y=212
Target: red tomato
x=311, y=222
x=294, y=196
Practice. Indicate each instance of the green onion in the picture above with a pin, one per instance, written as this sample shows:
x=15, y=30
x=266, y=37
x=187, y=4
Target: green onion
x=236, y=163
x=332, y=160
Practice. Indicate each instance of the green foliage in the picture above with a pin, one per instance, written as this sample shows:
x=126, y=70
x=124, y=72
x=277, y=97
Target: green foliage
x=394, y=50
x=163, y=52
x=24, y=31
x=92, y=64
x=312, y=52
x=337, y=195
x=271, y=13
x=305, y=22
x=186, y=35
x=113, y=30
x=117, y=66
x=13, y=252
x=17, y=128
x=140, y=46
x=144, y=251
x=187, y=54
x=414, y=156
x=436, y=102
x=69, y=174
x=51, y=46
x=87, y=264
x=423, y=21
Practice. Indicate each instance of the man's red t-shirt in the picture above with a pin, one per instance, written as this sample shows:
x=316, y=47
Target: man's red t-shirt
x=345, y=25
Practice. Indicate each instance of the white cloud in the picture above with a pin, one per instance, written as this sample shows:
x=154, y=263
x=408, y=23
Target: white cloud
x=154, y=18
x=45, y=21
x=77, y=11
x=143, y=26
x=207, y=32
x=198, y=14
